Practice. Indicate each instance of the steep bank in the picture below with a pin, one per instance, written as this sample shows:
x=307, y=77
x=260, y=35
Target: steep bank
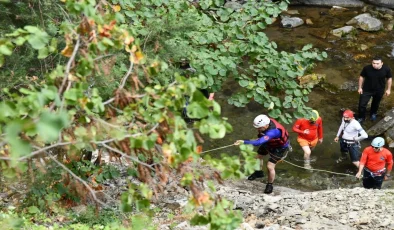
x=286, y=208
x=356, y=208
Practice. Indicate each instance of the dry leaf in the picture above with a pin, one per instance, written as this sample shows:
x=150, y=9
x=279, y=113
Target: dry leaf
x=116, y=8
x=67, y=51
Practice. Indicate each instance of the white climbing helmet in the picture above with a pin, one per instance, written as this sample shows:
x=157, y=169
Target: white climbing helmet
x=260, y=121
x=378, y=142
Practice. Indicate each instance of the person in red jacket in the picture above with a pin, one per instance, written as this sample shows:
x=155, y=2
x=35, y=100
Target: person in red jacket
x=373, y=164
x=310, y=131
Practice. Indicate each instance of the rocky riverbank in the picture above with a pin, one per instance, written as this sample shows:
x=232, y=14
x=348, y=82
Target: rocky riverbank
x=356, y=208
x=285, y=208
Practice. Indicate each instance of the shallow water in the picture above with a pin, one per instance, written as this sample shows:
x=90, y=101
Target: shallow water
x=339, y=91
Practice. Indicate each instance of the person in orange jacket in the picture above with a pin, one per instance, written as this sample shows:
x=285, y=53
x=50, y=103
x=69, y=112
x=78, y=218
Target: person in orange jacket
x=310, y=131
x=373, y=164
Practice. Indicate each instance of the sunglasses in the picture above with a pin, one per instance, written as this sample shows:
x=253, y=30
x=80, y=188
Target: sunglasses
x=376, y=148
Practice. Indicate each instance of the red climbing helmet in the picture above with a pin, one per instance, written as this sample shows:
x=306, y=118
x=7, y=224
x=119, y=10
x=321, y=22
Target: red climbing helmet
x=348, y=113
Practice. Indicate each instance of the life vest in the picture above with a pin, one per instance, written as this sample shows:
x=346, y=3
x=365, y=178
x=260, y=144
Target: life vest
x=276, y=142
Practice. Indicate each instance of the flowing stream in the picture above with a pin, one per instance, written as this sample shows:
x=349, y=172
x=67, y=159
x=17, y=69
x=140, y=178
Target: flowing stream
x=342, y=68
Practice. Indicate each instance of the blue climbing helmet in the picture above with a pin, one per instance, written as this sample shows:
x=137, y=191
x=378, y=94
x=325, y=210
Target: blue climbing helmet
x=378, y=142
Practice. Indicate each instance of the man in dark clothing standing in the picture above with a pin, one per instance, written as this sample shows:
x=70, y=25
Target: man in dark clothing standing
x=372, y=83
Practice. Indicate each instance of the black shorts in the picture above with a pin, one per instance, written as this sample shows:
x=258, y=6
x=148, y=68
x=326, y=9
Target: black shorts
x=276, y=154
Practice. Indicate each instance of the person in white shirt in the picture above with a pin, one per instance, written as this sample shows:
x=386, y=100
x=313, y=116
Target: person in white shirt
x=350, y=133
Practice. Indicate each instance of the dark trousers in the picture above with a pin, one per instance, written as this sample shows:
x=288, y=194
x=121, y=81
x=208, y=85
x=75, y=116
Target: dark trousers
x=372, y=182
x=363, y=102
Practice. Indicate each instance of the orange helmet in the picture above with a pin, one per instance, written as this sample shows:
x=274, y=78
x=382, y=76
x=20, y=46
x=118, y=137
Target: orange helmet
x=348, y=113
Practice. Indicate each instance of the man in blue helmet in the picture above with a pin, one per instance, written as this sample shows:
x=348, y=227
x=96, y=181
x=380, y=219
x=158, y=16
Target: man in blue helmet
x=376, y=164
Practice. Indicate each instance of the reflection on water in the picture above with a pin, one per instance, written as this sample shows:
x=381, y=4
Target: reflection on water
x=342, y=70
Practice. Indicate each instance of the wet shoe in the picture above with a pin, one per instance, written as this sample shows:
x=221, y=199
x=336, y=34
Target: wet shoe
x=307, y=166
x=256, y=174
x=268, y=188
x=373, y=117
x=340, y=159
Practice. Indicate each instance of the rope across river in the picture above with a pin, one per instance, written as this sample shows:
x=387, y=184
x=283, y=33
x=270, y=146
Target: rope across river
x=319, y=170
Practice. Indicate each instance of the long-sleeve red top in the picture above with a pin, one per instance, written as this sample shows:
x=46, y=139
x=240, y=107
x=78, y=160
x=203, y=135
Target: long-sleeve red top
x=315, y=130
x=375, y=161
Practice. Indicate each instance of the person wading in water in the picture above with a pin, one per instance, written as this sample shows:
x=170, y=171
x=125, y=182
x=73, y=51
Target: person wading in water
x=350, y=133
x=310, y=131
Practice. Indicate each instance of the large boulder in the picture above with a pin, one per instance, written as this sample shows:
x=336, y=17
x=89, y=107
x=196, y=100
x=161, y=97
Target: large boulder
x=385, y=3
x=383, y=125
x=342, y=3
x=366, y=22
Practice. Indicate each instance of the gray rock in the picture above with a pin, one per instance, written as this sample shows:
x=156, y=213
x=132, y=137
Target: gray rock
x=383, y=125
x=292, y=22
x=300, y=221
x=186, y=226
x=366, y=22
x=272, y=227
x=342, y=31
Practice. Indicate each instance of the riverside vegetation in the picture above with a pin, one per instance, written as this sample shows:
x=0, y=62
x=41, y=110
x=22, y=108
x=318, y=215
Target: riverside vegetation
x=82, y=75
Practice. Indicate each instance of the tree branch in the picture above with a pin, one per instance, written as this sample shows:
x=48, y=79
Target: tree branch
x=68, y=67
x=127, y=156
x=123, y=82
x=103, y=56
x=79, y=179
x=32, y=154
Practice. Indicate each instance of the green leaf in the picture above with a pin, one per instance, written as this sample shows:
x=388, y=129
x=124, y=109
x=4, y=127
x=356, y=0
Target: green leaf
x=199, y=220
x=217, y=131
x=298, y=93
x=72, y=94
x=50, y=125
x=307, y=47
x=19, y=40
x=243, y=83
x=42, y=53
x=195, y=110
x=32, y=29
x=274, y=113
x=38, y=40
x=33, y=210
x=5, y=50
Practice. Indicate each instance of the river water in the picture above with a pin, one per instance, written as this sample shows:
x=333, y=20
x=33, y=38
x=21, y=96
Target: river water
x=342, y=68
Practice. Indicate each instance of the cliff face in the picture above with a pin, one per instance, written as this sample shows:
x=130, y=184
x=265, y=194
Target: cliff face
x=356, y=208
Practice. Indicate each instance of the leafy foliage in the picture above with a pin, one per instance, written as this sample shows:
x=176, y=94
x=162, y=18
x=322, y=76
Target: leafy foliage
x=223, y=42
x=113, y=82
